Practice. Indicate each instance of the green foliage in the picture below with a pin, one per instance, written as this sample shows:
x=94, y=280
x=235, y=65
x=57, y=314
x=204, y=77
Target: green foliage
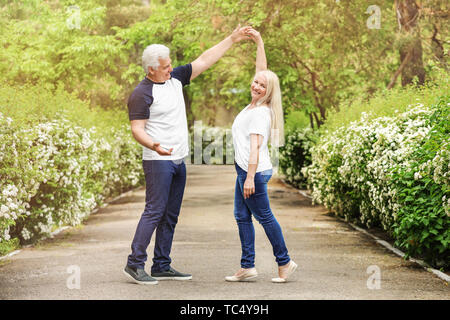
x=296, y=119
x=8, y=246
x=389, y=168
x=98, y=56
x=55, y=167
x=66, y=44
x=296, y=154
x=317, y=67
x=29, y=104
x=423, y=225
x=385, y=103
x=338, y=58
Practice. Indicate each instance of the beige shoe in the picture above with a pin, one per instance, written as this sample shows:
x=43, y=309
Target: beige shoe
x=290, y=270
x=244, y=276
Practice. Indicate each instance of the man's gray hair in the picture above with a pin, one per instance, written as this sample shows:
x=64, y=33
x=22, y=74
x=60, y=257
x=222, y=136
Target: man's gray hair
x=152, y=54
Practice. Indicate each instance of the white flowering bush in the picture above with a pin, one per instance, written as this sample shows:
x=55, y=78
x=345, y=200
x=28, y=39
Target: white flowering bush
x=389, y=171
x=422, y=226
x=296, y=154
x=54, y=173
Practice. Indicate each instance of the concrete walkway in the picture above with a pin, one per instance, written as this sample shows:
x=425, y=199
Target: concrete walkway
x=335, y=261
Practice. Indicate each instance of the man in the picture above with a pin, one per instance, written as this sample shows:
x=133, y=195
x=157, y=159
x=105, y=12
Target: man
x=157, y=114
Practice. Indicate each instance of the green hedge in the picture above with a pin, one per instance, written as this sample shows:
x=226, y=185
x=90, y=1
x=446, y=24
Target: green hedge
x=423, y=224
x=55, y=165
x=393, y=172
x=296, y=154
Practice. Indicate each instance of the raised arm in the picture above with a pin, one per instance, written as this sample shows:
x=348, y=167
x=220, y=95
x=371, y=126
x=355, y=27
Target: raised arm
x=213, y=54
x=261, y=61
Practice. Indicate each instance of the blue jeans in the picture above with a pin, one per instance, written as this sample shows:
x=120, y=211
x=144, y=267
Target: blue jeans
x=258, y=205
x=165, y=182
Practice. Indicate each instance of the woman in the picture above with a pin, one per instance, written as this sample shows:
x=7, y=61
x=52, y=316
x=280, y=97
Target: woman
x=260, y=121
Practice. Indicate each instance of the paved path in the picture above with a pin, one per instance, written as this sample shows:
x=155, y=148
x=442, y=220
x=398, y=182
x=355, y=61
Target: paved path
x=333, y=258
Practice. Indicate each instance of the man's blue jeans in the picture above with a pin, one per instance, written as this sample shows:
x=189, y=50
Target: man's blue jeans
x=258, y=205
x=165, y=182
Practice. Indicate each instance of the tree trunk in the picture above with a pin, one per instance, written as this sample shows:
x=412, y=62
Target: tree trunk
x=438, y=48
x=408, y=13
x=311, y=120
x=414, y=68
x=318, y=121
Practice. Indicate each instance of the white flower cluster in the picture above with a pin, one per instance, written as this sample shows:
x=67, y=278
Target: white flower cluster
x=55, y=173
x=295, y=154
x=351, y=168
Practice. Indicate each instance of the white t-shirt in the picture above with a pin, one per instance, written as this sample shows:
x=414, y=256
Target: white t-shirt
x=258, y=121
x=163, y=105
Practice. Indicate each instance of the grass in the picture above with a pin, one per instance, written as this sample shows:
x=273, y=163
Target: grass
x=8, y=246
x=36, y=103
x=386, y=103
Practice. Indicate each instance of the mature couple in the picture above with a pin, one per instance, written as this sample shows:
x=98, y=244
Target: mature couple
x=158, y=122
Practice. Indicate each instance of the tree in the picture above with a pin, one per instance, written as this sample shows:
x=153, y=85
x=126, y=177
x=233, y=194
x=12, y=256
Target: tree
x=322, y=51
x=70, y=44
x=408, y=15
x=435, y=31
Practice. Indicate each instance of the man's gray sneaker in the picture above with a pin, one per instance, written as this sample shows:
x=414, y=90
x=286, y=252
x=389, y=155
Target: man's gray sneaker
x=171, y=274
x=139, y=276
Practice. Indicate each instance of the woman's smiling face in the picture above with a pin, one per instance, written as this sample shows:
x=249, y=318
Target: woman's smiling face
x=258, y=87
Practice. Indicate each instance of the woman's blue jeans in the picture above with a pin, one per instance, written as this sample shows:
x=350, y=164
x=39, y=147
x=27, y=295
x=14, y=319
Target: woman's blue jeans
x=257, y=205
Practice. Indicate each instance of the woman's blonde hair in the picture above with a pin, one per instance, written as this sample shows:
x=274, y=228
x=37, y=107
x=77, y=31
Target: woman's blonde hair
x=273, y=100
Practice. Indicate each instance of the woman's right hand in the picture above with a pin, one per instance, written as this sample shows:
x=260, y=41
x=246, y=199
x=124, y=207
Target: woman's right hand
x=249, y=187
x=240, y=33
x=254, y=35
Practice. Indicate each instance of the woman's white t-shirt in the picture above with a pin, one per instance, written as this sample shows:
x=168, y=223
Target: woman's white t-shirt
x=257, y=121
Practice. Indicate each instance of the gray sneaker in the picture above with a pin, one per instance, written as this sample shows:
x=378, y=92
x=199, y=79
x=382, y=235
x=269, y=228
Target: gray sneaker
x=139, y=275
x=171, y=274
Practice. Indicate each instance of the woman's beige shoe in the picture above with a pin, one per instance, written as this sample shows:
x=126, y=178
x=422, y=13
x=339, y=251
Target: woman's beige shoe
x=290, y=270
x=244, y=276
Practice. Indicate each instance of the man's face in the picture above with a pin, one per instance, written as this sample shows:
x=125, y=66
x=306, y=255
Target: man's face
x=162, y=73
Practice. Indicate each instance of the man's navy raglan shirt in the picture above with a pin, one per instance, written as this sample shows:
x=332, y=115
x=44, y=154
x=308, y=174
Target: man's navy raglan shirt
x=162, y=105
